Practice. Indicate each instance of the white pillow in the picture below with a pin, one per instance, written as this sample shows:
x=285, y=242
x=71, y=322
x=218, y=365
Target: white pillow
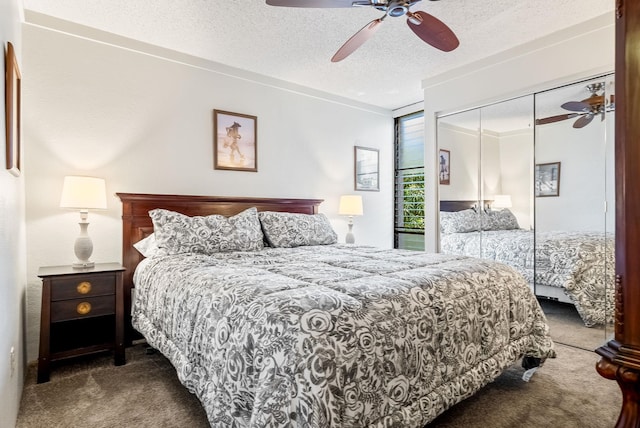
x=147, y=246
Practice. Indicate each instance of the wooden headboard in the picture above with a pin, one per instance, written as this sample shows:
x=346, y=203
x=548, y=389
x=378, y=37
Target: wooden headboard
x=136, y=223
x=451, y=206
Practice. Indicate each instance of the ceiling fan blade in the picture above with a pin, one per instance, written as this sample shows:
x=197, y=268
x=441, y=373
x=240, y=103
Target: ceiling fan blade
x=583, y=121
x=311, y=3
x=433, y=31
x=357, y=40
x=576, y=106
x=558, y=118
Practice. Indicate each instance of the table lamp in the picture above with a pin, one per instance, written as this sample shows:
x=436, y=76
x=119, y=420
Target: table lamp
x=83, y=194
x=350, y=205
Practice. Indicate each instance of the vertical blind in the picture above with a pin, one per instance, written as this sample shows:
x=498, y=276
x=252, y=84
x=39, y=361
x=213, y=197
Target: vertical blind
x=409, y=182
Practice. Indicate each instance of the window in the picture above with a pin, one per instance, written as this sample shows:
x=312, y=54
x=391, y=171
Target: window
x=409, y=182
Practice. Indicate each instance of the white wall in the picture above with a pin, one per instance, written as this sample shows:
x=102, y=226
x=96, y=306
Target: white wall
x=464, y=160
x=12, y=246
x=581, y=153
x=516, y=172
x=567, y=56
x=490, y=173
x=144, y=123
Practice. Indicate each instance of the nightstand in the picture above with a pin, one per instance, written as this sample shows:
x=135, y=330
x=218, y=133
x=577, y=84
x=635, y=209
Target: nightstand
x=82, y=313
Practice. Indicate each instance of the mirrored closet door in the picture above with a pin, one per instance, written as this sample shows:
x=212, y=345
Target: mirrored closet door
x=575, y=209
x=459, y=155
x=529, y=182
x=486, y=206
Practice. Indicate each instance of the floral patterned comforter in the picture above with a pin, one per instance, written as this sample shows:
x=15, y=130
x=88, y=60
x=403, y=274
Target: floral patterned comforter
x=335, y=335
x=582, y=263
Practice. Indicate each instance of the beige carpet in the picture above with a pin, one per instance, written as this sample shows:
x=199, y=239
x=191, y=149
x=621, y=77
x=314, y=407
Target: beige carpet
x=567, y=327
x=567, y=392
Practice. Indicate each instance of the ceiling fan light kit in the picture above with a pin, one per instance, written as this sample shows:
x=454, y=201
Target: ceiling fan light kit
x=427, y=27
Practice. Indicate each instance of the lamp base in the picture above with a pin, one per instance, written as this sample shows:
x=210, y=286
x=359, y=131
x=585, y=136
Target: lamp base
x=83, y=248
x=350, y=239
x=82, y=265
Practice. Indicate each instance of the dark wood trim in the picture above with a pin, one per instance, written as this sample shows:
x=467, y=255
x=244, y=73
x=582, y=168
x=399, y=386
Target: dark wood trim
x=452, y=206
x=136, y=223
x=621, y=357
x=119, y=355
x=44, y=360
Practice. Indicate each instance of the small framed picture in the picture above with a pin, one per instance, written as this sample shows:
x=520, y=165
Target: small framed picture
x=444, y=160
x=547, y=177
x=235, y=141
x=366, y=171
x=12, y=111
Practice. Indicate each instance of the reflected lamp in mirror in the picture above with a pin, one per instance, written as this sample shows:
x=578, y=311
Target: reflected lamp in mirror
x=501, y=201
x=83, y=194
x=350, y=205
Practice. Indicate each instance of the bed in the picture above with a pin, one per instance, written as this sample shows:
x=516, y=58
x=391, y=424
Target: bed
x=574, y=267
x=313, y=333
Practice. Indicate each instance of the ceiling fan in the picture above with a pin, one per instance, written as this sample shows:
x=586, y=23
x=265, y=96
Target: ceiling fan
x=584, y=110
x=429, y=28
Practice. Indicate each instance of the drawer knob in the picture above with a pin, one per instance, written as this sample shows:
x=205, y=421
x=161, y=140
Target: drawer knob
x=83, y=308
x=84, y=287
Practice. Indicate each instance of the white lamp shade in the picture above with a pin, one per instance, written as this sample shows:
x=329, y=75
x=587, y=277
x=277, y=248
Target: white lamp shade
x=501, y=201
x=84, y=193
x=350, y=205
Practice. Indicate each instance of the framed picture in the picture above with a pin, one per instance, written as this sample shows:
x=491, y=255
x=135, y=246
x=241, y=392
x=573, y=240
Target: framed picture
x=547, y=179
x=367, y=163
x=235, y=141
x=444, y=159
x=12, y=111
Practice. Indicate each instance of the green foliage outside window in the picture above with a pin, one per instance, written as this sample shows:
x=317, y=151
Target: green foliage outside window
x=413, y=206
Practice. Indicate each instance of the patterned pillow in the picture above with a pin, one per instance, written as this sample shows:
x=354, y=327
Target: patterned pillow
x=459, y=221
x=500, y=220
x=294, y=230
x=177, y=233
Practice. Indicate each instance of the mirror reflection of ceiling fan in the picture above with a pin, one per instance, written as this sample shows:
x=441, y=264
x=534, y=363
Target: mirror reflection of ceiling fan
x=429, y=28
x=584, y=110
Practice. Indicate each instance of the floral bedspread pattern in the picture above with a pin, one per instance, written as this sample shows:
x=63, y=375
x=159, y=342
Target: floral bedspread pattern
x=582, y=263
x=335, y=335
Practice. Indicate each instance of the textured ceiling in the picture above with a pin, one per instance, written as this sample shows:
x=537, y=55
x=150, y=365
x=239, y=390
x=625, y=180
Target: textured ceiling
x=296, y=44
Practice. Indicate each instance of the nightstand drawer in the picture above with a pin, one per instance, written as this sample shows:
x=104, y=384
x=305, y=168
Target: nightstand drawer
x=80, y=287
x=83, y=308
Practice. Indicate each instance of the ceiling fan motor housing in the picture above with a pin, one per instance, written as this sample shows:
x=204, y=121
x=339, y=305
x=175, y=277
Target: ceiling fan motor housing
x=394, y=8
x=397, y=10
x=594, y=88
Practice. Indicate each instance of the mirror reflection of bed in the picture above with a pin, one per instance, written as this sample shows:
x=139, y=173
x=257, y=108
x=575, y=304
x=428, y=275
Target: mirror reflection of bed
x=561, y=238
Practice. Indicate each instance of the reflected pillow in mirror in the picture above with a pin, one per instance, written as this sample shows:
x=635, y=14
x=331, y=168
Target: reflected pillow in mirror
x=500, y=220
x=459, y=221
